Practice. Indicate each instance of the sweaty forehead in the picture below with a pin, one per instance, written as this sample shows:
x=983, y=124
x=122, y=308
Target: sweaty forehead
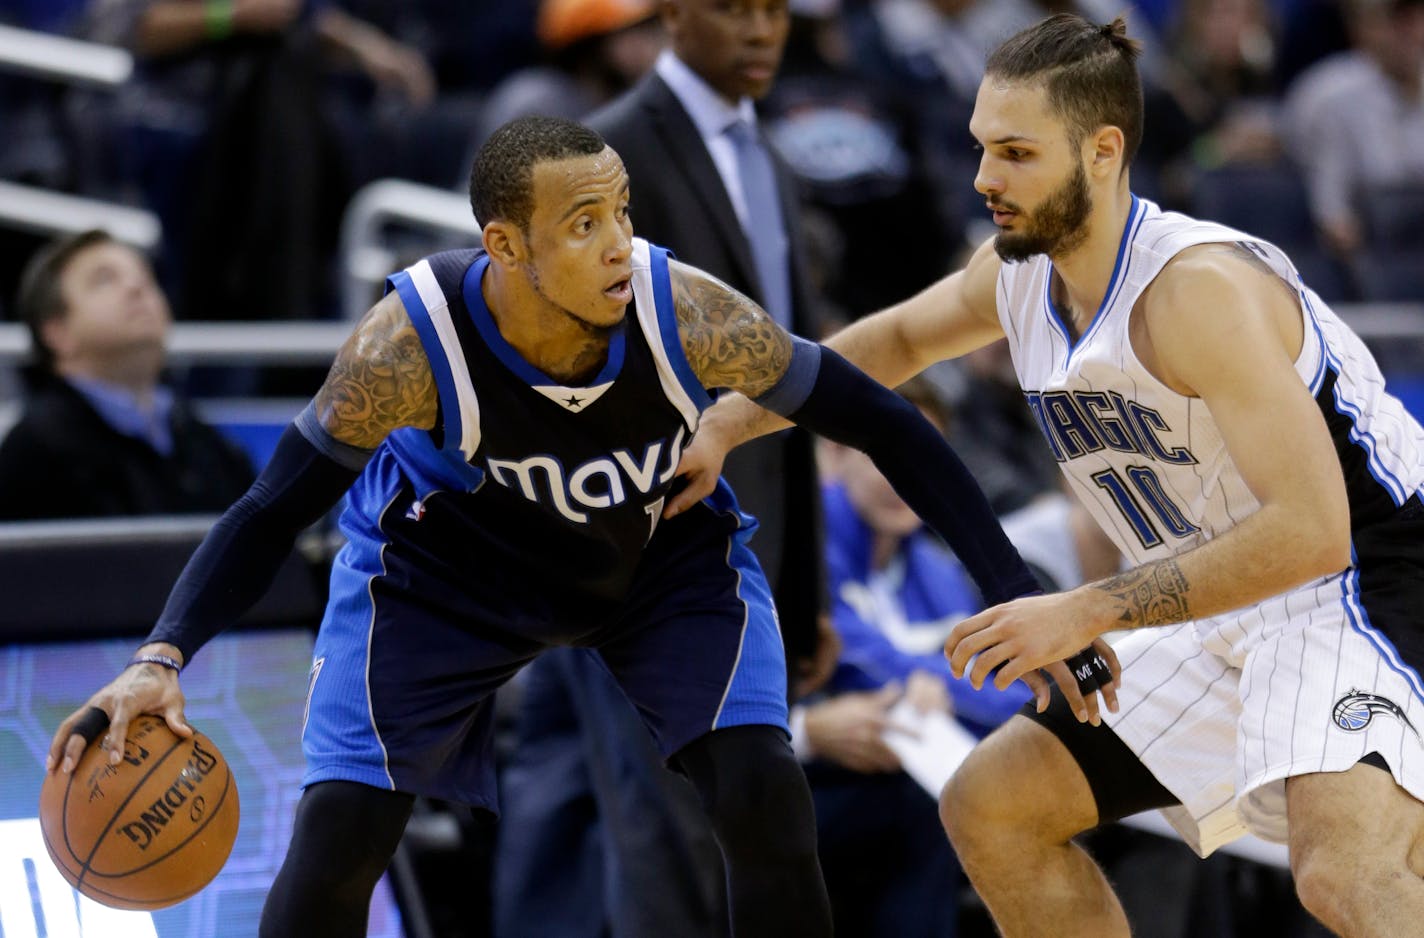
x=560, y=182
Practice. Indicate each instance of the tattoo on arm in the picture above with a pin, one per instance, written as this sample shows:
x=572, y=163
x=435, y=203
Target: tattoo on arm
x=1153, y=594
x=729, y=340
x=381, y=380
x=1242, y=251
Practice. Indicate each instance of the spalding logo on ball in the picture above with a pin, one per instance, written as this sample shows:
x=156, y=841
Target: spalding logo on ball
x=148, y=832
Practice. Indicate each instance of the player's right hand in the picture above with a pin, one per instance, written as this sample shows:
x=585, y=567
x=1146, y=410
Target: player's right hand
x=139, y=689
x=700, y=468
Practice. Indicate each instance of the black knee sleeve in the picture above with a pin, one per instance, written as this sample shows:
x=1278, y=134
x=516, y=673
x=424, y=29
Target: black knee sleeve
x=751, y=785
x=756, y=795
x=343, y=839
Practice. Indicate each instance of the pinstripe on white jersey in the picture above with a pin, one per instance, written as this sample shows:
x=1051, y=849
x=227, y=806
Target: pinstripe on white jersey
x=1150, y=463
x=1222, y=710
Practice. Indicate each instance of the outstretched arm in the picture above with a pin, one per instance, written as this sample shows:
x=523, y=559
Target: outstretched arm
x=945, y=320
x=380, y=381
x=732, y=344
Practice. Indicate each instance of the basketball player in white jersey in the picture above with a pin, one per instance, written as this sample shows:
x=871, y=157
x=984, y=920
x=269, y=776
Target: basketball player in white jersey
x=1236, y=441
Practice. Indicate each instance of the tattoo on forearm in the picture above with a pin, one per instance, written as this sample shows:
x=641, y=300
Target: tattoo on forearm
x=380, y=380
x=1154, y=594
x=730, y=341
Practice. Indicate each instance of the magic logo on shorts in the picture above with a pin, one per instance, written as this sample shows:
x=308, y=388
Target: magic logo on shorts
x=1355, y=710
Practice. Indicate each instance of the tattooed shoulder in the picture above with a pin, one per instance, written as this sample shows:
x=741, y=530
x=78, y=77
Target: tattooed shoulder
x=1152, y=594
x=1242, y=251
x=380, y=381
x=729, y=340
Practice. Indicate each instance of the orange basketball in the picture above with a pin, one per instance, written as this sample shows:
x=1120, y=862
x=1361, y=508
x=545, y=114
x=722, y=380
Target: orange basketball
x=148, y=832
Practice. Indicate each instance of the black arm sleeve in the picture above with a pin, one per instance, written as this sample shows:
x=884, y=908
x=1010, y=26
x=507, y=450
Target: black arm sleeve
x=845, y=405
x=235, y=563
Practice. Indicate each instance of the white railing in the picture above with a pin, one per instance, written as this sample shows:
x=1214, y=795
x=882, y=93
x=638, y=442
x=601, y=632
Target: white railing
x=315, y=342
x=222, y=343
x=365, y=259
x=46, y=212
x=71, y=61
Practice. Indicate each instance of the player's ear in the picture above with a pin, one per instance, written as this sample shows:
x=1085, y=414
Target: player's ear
x=1106, y=149
x=504, y=242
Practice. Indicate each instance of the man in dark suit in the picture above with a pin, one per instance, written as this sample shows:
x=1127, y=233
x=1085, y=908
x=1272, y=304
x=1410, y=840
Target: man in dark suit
x=100, y=435
x=682, y=133
x=583, y=791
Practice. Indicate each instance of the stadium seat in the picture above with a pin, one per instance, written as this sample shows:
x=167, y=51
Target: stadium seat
x=1266, y=201
x=1391, y=275
x=1392, y=215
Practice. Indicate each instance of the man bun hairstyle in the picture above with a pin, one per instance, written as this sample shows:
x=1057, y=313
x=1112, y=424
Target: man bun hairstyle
x=1088, y=71
x=502, y=178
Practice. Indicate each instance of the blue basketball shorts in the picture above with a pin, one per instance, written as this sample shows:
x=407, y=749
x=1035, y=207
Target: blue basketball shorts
x=408, y=658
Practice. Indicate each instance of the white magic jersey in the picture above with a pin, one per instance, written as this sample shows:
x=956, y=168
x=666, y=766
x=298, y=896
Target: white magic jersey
x=1222, y=710
x=1149, y=462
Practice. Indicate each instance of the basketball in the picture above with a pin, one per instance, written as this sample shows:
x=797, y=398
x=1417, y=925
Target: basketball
x=148, y=832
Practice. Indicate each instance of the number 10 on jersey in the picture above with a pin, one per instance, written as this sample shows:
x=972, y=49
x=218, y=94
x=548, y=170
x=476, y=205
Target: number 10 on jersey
x=1143, y=488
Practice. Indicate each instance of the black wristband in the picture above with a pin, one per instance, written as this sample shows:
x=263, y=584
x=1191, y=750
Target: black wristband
x=1089, y=670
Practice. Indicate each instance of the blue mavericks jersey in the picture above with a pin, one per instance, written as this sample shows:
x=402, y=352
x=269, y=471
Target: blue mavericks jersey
x=525, y=482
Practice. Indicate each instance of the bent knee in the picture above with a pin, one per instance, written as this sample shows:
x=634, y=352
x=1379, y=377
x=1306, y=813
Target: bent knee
x=1019, y=781
x=1324, y=881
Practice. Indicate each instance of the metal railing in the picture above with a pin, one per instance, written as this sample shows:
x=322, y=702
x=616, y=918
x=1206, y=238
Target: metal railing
x=365, y=258
x=70, y=61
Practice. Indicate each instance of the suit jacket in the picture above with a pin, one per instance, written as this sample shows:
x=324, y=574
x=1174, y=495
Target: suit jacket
x=63, y=460
x=679, y=201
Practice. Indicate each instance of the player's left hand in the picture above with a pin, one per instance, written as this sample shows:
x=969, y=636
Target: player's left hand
x=1015, y=639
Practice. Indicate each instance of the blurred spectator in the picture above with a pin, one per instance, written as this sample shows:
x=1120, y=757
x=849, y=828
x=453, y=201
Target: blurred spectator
x=896, y=593
x=1356, y=119
x=1223, y=53
x=229, y=140
x=931, y=54
x=594, y=50
x=856, y=150
x=1310, y=31
x=100, y=436
x=706, y=186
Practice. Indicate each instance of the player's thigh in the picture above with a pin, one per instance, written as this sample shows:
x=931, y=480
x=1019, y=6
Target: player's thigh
x=1048, y=775
x=700, y=649
x=1352, y=823
x=403, y=673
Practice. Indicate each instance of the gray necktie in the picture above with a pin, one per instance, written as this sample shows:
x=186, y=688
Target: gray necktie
x=764, y=226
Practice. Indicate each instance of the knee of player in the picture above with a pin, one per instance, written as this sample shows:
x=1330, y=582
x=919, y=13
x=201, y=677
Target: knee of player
x=751, y=786
x=998, y=794
x=1324, y=879
x=977, y=800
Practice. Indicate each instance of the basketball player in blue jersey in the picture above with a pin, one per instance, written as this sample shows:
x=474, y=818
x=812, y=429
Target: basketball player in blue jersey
x=1235, y=439
x=508, y=422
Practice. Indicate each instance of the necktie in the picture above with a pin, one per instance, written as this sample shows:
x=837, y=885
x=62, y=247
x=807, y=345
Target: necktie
x=764, y=226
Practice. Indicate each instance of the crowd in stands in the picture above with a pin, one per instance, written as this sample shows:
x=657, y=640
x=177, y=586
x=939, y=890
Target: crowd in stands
x=249, y=124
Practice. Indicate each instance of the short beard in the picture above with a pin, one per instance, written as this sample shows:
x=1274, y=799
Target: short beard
x=591, y=330
x=1058, y=225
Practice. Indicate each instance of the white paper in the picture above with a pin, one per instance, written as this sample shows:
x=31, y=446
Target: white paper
x=934, y=747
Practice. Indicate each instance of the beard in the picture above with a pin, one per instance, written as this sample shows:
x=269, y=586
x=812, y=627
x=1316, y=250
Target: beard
x=592, y=330
x=1058, y=225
